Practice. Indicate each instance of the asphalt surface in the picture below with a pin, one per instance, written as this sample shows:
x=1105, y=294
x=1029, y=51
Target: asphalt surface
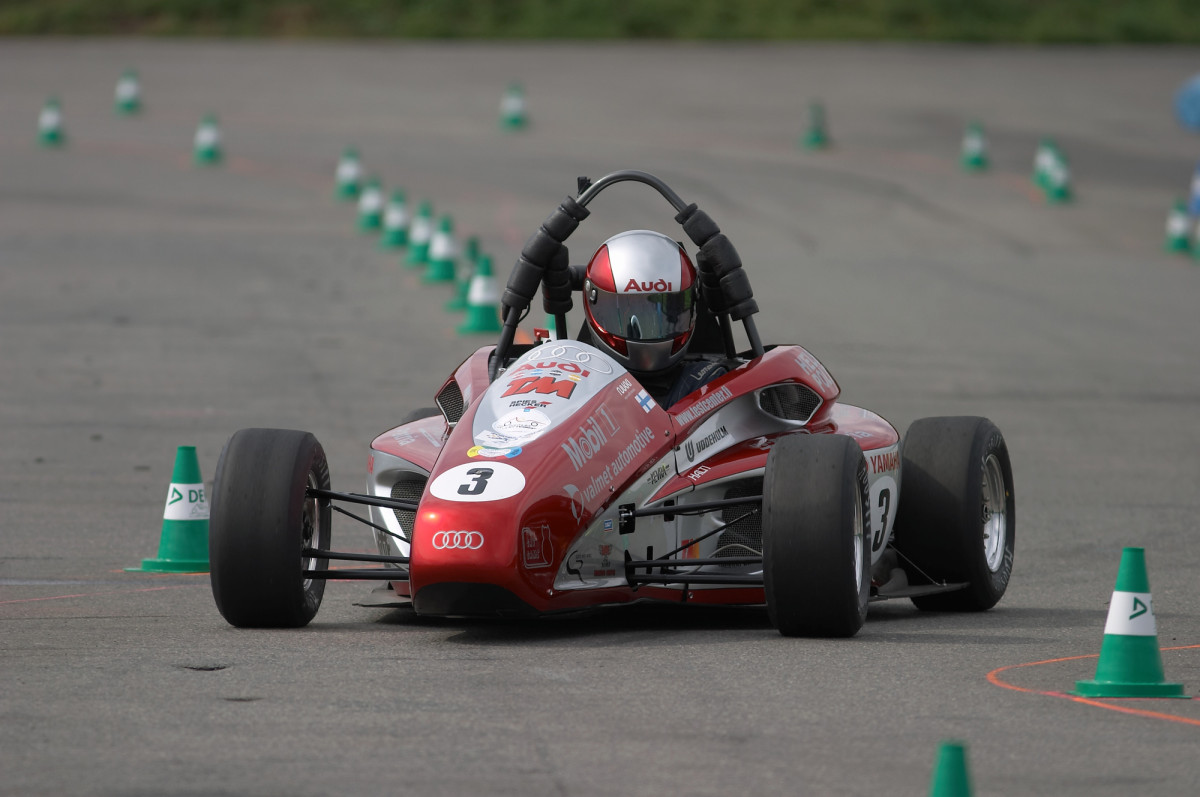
x=146, y=304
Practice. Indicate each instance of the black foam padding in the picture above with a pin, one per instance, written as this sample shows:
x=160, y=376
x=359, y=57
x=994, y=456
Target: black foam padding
x=743, y=310
x=522, y=283
x=556, y=284
x=718, y=256
x=697, y=224
x=540, y=249
x=735, y=288
x=563, y=221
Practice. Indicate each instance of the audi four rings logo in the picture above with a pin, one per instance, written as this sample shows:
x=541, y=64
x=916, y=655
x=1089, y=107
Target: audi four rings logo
x=458, y=540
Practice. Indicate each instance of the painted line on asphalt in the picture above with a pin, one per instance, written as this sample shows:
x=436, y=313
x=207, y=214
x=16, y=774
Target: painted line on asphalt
x=96, y=594
x=994, y=678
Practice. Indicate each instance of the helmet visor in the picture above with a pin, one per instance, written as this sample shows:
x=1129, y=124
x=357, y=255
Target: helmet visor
x=642, y=316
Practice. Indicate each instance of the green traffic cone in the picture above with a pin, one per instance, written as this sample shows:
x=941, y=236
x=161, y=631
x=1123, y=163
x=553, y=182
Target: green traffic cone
x=183, y=546
x=442, y=252
x=471, y=255
x=127, y=97
x=51, y=131
x=1130, y=664
x=349, y=174
x=1058, y=181
x=206, y=145
x=512, y=108
x=483, y=301
x=395, y=222
x=1178, y=227
x=951, y=777
x=1043, y=160
x=370, y=206
x=817, y=136
x=419, y=234
x=974, y=156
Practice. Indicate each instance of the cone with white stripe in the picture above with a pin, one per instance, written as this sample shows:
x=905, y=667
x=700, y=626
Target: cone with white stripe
x=471, y=256
x=51, y=132
x=348, y=175
x=395, y=222
x=1130, y=664
x=183, y=546
x=127, y=97
x=483, y=301
x=512, y=108
x=817, y=134
x=419, y=234
x=370, y=206
x=951, y=777
x=206, y=144
x=974, y=156
x=443, y=252
x=1058, y=180
x=1179, y=225
x=1043, y=160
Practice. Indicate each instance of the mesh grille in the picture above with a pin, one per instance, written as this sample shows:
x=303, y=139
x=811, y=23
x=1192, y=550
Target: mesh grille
x=742, y=537
x=407, y=488
x=450, y=402
x=791, y=402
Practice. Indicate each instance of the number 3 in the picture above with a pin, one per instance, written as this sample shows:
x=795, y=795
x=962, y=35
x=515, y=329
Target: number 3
x=885, y=503
x=478, y=484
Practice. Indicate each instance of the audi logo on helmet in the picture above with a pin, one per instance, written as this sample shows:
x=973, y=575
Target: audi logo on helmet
x=458, y=540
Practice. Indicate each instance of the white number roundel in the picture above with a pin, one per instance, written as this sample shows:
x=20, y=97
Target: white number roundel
x=478, y=481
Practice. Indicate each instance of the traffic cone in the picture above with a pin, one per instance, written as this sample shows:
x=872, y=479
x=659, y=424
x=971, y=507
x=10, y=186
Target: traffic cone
x=817, y=136
x=974, y=156
x=442, y=252
x=183, y=546
x=395, y=222
x=471, y=256
x=127, y=97
x=370, y=206
x=206, y=145
x=349, y=174
x=1043, y=161
x=951, y=777
x=512, y=107
x=1178, y=227
x=419, y=234
x=483, y=301
x=1130, y=664
x=1058, y=181
x=51, y=132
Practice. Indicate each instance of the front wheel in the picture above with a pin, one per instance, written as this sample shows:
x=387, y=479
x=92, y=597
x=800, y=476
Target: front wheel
x=262, y=517
x=956, y=520
x=815, y=531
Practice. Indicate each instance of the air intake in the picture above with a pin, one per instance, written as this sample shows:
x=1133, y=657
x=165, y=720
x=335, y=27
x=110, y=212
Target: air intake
x=408, y=487
x=743, y=535
x=450, y=402
x=789, y=402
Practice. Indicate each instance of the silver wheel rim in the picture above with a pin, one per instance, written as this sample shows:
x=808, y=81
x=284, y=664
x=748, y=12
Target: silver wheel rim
x=310, y=515
x=994, y=513
x=859, y=540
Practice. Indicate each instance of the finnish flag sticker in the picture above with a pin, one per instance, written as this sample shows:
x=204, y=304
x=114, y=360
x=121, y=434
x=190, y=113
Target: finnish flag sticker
x=643, y=398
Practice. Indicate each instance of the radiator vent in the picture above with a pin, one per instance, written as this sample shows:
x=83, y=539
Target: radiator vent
x=789, y=402
x=450, y=402
x=408, y=487
x=743, y=535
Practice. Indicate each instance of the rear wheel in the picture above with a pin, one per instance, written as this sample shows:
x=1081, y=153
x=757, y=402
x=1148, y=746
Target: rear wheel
x=261, y=520
x=956, y=520
x=815, y=530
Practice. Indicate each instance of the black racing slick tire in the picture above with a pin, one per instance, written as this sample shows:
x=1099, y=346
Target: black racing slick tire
x=261, y=518
x=956, y=519
x=816, y=526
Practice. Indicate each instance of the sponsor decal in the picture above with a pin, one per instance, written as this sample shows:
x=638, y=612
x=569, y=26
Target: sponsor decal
x=406, y=437
x=710, y=439
x=644, y=400
x=458, y=540
x=542, y=385
x=524, y=424
x=762, y=443
x=613, y=469
x=553, y=367
x=654, y=286
x=593, y=435
x=887, y=461
x=624, y=386
x=608, y=526
x=698, y=472
x=690, y=550
x=528, y=403
x=658, y=474
x=1131, y=614
x=495, y=453
x=569, y=352
x=812, y=366
x=607, y=572
x=704, y=405
x=474, y=482
x=370, y=463
x=536, y=550
x=576, y=497
x=185, y=502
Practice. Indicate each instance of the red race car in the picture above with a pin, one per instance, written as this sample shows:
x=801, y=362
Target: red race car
x=550, y=479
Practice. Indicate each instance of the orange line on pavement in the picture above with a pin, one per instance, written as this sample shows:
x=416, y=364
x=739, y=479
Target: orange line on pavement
x=96, y=594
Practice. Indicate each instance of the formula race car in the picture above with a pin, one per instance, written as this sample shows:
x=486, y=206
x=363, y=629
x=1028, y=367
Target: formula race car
x=549, y=479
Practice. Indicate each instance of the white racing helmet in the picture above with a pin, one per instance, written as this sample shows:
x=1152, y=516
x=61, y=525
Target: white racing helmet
x=640, y=299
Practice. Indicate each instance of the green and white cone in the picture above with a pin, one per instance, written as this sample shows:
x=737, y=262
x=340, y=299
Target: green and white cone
x=183, y=546
x=471, y=256
x=1130, y=664
x=483, y=301
x=349, y=175
x=206, y=144
x=1178, y=238
x=127, y=97
x=817, y=134
x=513, y=115
x=443, y=252
x=951, y=777
x=370, y=206
x=419, y=234
x=1043, y=160
x=1058, y=181
x=395, y=222
x=974, y=156
x=51, y=131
